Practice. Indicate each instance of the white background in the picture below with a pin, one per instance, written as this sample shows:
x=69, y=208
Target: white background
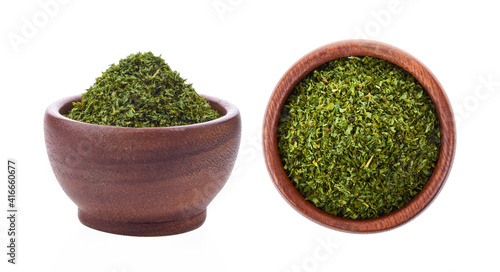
x=238, y=52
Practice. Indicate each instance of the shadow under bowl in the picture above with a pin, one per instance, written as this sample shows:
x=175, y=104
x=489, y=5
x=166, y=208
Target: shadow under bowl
x=379, y=50
x=142, y=181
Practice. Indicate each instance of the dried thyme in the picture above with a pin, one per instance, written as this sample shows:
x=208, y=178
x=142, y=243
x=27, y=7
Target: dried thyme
x=142, y=91
x=359, y=137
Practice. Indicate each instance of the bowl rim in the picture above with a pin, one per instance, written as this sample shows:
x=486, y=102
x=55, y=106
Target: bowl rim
x=347, y=48
x=230, y=111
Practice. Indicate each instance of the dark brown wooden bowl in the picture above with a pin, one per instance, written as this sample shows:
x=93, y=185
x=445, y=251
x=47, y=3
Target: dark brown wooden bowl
x=142, y=181
x=359, y=48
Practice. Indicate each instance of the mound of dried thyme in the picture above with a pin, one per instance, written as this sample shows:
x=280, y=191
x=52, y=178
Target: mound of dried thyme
x=142, y=91
x=359, y=137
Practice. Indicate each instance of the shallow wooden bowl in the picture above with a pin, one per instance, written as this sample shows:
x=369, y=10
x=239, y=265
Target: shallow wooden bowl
x=142, y=181
x=359, y=48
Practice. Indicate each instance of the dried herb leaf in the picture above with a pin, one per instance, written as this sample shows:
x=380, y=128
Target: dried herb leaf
x=359, y=137
x=142, y=91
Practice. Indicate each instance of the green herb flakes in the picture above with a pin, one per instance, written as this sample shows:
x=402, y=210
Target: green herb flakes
x=359, y=137
x=142, y=91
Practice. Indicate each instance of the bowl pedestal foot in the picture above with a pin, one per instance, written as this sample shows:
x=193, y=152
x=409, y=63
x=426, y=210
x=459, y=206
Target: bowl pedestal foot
x=143, y=228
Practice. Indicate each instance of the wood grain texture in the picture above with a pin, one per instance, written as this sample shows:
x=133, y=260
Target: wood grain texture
x=142, y=181
x=359, y=48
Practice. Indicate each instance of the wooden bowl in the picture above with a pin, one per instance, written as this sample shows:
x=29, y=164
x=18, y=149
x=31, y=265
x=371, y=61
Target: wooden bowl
x=359, y=48
x=142, y=181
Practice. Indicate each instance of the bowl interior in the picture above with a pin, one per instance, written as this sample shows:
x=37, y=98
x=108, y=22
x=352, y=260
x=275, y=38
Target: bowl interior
x=225, y=108
x=359, y=48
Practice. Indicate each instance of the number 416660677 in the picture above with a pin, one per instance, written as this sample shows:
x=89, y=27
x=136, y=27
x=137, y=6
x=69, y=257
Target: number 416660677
x=11, y=196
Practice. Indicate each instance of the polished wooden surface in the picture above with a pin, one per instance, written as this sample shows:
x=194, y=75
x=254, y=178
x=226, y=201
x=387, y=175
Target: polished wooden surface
x=359, y=48
x=142, y=181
